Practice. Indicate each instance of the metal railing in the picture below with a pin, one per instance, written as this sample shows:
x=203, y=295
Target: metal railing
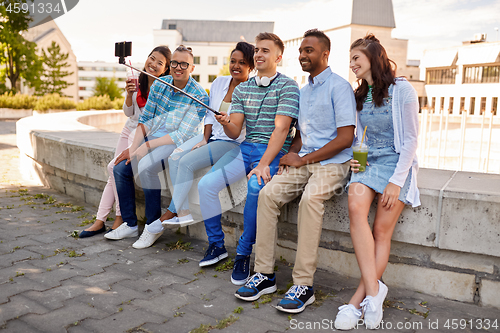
x=459, y=142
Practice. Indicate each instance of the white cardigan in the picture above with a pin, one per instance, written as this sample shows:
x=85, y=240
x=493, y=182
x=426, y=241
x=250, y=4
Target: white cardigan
x=405, y=122
x=132, y=112
x=218, y=91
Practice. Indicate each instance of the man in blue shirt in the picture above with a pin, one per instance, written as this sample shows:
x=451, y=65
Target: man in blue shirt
x=315, y=166
x=169, y=119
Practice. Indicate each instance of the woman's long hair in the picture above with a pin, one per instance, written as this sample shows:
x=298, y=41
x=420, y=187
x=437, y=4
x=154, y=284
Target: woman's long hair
x=383, y=71
x=143, y=78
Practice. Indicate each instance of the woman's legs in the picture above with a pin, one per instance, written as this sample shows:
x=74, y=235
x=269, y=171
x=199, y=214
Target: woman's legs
x=196, y=159
x=372, y=248
x=109, y=194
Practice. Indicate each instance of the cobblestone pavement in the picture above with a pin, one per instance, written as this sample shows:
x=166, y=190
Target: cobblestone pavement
x=53, y=282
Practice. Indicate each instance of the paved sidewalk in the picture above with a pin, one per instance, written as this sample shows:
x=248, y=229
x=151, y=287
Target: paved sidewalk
x=53, y=282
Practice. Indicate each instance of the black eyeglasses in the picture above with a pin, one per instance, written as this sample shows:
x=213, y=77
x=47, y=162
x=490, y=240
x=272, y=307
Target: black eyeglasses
x=183, y=64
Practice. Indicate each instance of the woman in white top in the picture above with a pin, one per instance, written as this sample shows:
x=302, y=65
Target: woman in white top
x=157, y=64
x=388, y=108
x=206, y=149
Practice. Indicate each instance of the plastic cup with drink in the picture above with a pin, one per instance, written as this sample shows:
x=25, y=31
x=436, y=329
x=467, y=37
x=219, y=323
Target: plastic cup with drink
x=360, y=153
x=133, y=77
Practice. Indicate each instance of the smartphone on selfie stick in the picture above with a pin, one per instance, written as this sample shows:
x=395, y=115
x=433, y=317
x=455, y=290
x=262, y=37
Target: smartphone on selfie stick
x=124, y=49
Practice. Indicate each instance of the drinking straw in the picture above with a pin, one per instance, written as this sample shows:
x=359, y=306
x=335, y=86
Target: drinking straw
x=130, y=62
x=363, y=138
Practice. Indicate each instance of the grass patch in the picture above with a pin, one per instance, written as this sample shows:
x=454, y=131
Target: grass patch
x=320, y=297
x=201, y=271
x=19, y=274
x=179, y=245
x=221, y=324
x=238, y=310
x=228, y=265
x=183, y=261
x=72, y=254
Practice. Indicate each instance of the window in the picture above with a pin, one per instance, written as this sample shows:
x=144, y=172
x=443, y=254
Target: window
x=494, y=105
x=212, y=60
x=462, y=104
x=481, y=74
x=440, y=76
x=196, y=60
x=172, y=26
x=441, y=104
x=225, y=60
x=84, y=78
x=482, y=108
x=450, y=106
x=433, y=105
x=211, y=78
x=196, y=77
x=472, y=105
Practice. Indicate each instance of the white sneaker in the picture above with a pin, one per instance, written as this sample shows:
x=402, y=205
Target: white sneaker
x=373, y=307
x=123, y=231
x=347, y=317
x=173, y=220
x=147, y=239
x=180, y=221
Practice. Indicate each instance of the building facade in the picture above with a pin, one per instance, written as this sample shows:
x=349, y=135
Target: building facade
x=88, y=71
x=464, y=78
x=358, y=18
x=211, y=41
x=43, y=35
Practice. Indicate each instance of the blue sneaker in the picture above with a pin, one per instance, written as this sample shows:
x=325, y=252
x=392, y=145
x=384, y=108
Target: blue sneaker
x=296, y=299
x=213, y=255
x=241, y=270
x=257, y=285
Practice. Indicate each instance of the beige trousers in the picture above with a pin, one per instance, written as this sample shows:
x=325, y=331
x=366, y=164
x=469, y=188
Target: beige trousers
x=317, y=183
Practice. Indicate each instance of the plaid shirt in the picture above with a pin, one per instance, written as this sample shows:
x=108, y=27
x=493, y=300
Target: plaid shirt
x=170, y=112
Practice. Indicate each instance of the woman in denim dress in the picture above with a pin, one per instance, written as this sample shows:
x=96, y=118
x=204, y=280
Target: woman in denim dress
x=388, y=108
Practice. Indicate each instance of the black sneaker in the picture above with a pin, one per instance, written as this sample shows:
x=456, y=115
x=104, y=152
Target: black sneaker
x=213, y=255
x=257, y=285
x=241, y=270
x=296, y=299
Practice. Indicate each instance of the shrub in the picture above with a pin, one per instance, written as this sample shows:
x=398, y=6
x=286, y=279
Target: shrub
x=54, y=102
x=118, y=103
x=95, y=103
x=17, y=101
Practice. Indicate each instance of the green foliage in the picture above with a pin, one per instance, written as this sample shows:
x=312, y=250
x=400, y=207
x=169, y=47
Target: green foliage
x=54, y=102
x=18, y=56
x=107, y=86
x=95, y=103
x=53, y=74
x=228, y=265
x=17, y=101
x=118, y=103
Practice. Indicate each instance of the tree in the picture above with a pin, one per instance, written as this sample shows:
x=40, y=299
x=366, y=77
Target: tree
x=107, y=86
x=16, y=53
x=53, y=73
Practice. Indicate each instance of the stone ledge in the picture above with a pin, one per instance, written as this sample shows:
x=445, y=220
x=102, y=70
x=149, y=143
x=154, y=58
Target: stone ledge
x=447, y=247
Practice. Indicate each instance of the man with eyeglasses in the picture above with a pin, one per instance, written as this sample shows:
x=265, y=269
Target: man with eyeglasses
x=169, y=119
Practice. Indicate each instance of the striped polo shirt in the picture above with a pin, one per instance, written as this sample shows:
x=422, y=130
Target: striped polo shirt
x=260, y=105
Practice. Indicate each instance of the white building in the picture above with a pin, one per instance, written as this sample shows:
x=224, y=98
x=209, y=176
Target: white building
x=211, y=41
x=354, y=19
x=465, y=77
x=88, y=71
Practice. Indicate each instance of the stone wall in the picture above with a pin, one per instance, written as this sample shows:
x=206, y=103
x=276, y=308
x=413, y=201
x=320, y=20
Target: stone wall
x=449, y=246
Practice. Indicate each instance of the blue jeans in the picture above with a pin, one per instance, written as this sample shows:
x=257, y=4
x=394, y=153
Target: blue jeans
x=182, y=166
x=233, y=166
x=147, y=169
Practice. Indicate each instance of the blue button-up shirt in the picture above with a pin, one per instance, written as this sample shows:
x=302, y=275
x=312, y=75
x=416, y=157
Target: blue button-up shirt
x=326, y=103
x=170, y=112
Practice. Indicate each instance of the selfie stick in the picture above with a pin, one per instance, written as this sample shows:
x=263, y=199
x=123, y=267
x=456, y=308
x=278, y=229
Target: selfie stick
x=173, y=87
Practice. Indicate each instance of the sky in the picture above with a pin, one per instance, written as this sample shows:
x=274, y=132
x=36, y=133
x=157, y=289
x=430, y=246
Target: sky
x=93, y=26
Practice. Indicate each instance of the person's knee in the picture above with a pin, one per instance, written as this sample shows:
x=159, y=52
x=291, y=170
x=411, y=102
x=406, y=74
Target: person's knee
x=121, y=169
x=253, y=186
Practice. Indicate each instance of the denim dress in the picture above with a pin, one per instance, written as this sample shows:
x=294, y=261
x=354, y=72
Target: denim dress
x=382, y=156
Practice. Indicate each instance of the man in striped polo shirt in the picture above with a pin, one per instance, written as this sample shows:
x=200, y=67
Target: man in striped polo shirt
x=269, y=104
